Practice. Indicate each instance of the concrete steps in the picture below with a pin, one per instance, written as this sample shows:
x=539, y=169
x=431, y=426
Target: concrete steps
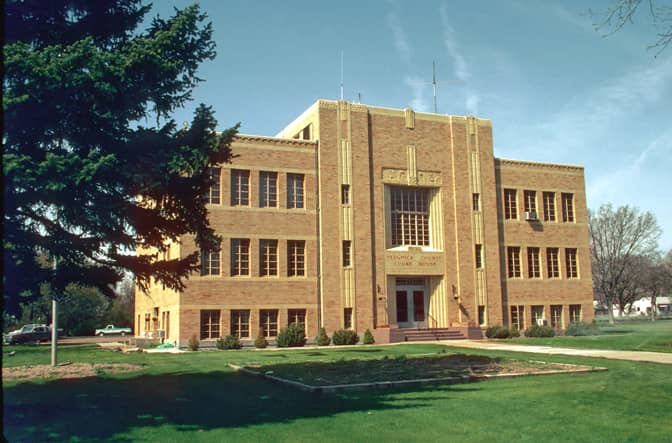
x=427, y=334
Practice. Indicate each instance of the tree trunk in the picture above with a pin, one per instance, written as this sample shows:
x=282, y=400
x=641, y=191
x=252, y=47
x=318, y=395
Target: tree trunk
x=653, y=308
x=610, y=312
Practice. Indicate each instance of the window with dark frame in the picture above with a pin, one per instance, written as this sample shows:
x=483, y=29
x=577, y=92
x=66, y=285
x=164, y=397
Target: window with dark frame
x=571, y=263
x=268, y=189
x=296, y=258
x=347, y=245
x=574, y=313
x=476, y=201
x=210, y=263
x=345, y=194
x=297, y=316
x=537, y=312
x=240, y=323
x=513, y=261
x=268, y=251
x=409, y=216
x=268, y=322
x=347, y=318
x=552, y=262
x=240, y=256
x=481, y=315
x=518, y=317
x=210, y=323
x=510, y=204
x=530, y=201
x=478, y=251
x=556, y=316
x=549, y=206
x=214, y=193
x=533, y=265
x=295, y=191
x=567, y=207
x=240, y=187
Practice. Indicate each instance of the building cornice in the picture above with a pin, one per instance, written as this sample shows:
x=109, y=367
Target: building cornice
x=500, y=162
x=247, y=138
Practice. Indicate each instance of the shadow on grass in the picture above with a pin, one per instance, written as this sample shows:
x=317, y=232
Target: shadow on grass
x=95, y=409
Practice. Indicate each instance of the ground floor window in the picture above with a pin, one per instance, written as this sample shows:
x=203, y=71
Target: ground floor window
x=240, y=323
x=268, y=322
x=210, y=323
x=148, y=322
x=574, y=313
x=347, y=318
x=518, y=317
x=537, y=314
x=297, y=316
x=556, y=316
x=481, y=315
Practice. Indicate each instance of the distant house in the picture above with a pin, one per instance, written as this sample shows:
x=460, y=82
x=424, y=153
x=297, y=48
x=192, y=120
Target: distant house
x=638, y=307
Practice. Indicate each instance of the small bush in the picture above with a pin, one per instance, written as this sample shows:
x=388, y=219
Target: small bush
x=260, y=342
x=498, y=332
x=539, y=331
x=292, y=336
x=322, y=338
x=368, y=338
x=229, y=342
x=345, y=337
x=514, y=332
x=581, y=328
x=193, y=343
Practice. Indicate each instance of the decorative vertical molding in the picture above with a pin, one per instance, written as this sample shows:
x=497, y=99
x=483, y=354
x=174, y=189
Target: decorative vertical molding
x=458, y=285
x=437, y=301
x=409, y=118
x=346, y=161
x=411, y=157
x=436, y=219
x=343, y=110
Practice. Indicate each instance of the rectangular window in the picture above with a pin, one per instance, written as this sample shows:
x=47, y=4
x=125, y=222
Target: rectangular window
x=214, y=193
x=530, y=201
x=479, y=256
x=552, y=263
x=537, y=314
x=240, y=323
x=240, y=256
x=533, y=266
x=345, y=194
x=410, y=216
x=513, y=261
x=518, y=317
x=209, y=263
x=476, y=202
x=240, y=187
x=347, y=318
x=481, y=315
x=268, y=251
x=549, y=206
x=296, y=258
x=268, y=189
x=571, y=263
x=268, y=322
x=567, y=207
x=295, y=191
x=556, y=316
x=510, y=204
x=210, y=323
x=574, y=313
x=297, y=316
x=347, y=245
x=148, y=322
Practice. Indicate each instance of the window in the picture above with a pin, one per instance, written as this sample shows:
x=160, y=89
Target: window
x=296, y=256
x=295, y=191
x=347, y=245
x=537, y=314
x=240, y=187
x=513, y=261
x=213, y=194
x=567, y=207
x=481, y=315
x=268, y=322
x=530, y=201
x=268, y=251
x=347, y=318
x=345, y=194
x=210, y=324
x=297, y=316
x=518, y=317
x=479, y=256
x=510, y=204
x=556, y=316
x=571, y=263
x=410, y=216
x=552, y=263
x=574, y=313
x=549, y=206
x=209, y=263
x=148, y=322
x=268, y=189
x=476, y=201
x=533, y=266
x=240, y=256
x=240, y=323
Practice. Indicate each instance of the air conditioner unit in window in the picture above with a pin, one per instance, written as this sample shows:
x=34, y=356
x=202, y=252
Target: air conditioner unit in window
x=542, y=322
x=530, y=215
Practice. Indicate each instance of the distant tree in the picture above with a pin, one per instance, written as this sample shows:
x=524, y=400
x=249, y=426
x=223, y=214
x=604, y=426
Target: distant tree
x=93, y=165
x=618, y=238
x=655, y=277
x=623, y=12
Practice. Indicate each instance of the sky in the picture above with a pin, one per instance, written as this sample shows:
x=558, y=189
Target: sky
x=555, y=89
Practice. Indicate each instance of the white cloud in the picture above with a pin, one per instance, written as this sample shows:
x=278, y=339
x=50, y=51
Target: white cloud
x=400, y=38
x=460, y=68
x=419, y=88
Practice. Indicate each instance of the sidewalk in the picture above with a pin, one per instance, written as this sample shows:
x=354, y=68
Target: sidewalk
x=654, y=357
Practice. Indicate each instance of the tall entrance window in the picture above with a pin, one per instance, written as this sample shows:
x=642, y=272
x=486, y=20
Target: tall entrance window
x=409, y=216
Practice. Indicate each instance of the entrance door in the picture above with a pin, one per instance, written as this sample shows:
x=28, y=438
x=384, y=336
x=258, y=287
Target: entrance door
x=411, y=307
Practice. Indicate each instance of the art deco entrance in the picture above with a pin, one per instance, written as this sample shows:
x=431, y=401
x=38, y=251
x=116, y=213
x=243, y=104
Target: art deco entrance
x=411, y=306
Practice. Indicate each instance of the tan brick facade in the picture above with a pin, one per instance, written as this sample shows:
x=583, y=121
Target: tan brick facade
x=388, y=231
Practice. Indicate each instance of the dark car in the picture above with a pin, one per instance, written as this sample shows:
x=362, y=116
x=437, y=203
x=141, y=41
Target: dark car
x=29, y=334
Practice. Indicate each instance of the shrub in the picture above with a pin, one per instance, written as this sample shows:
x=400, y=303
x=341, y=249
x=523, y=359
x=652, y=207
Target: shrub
x=345, y=337
x=539, y=331
x=260, y=342
x=514, y=332
x=368, y=338
x=497, y=332
x=229, y=342
x=581, y=328
x=292, y=336
x=193, y=343
x=322, y=338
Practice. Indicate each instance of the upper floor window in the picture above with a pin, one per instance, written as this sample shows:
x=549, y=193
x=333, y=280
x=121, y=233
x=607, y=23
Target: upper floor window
x=345, y=194
x=530, y=201
x=268, y=189
x=479, y=256
x=240, y=187
x=410, y=216
x=549, y=206
x=347, y=250
x=214, y=193
x=571, y=263
x=209, y=263
x=513, y=261
x=510, y=204
x=240, y=256
x=476, y=201
x=268, y=251
x=552, y=263
x=296, y=258
x=295, y=190
x=533, y=266
x=567, y=207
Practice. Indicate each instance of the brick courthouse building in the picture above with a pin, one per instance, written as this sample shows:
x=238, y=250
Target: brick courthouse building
x=400, y=222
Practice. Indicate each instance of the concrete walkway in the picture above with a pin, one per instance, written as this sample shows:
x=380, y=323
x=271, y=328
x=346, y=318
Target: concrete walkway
x=654, y=357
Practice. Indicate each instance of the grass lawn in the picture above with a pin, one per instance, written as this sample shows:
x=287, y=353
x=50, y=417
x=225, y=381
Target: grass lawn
x=625, y=335
x=195, y=397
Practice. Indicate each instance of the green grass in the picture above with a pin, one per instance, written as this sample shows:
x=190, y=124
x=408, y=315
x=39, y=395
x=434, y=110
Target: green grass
x=625, y=335
x=195, y=397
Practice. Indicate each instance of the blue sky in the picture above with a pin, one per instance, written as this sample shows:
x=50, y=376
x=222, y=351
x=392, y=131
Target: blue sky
x=554, y=88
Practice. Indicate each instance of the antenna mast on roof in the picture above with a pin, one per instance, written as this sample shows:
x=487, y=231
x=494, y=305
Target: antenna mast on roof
x=341, y=75
x=434, y=84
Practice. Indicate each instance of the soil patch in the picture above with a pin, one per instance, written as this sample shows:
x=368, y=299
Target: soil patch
x=72, y=370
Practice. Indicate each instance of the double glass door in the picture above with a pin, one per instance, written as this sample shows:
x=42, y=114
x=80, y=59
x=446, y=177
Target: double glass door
x=411, y=307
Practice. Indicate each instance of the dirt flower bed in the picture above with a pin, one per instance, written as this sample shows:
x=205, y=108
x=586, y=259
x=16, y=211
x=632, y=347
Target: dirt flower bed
x=72, y=370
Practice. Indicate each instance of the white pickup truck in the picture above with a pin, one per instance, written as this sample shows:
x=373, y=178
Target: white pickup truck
x=111, y=330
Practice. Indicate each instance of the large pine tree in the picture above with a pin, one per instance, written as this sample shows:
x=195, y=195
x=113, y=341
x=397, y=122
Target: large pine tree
x=94, y=167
